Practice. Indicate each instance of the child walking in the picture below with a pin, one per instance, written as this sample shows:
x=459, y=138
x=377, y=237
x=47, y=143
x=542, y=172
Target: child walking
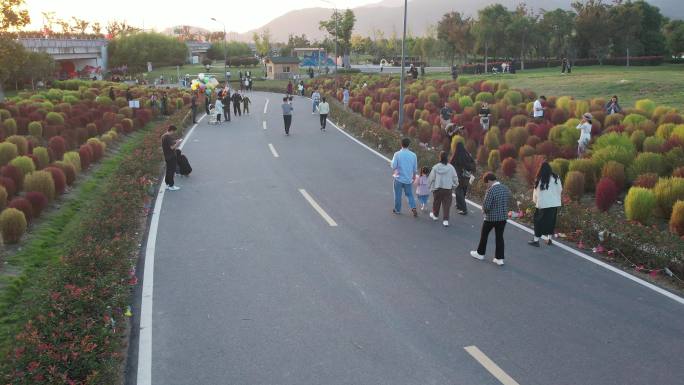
x=423, y=188
x=245, y=104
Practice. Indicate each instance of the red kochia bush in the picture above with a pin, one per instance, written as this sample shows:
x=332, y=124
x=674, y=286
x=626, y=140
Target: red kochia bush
x=647, y=180
x=507, y=150
x=678, y=172
x=58, y=146
x=9, y=185
x=23, y=205
x=606, y=193
x=13, y=173
x=509, y=166
x=58, y=177
x=86, y=155
x=38, y=202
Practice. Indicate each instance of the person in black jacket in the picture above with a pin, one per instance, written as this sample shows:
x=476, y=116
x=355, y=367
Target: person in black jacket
x=237, y=101
x=226, y=105
x=465, y=166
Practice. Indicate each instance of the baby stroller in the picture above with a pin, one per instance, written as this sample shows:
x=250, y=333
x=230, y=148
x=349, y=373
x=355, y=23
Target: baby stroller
x=212, y=115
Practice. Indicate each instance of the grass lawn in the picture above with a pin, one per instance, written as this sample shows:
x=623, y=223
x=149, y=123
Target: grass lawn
x=663, y=84
x=170, y=73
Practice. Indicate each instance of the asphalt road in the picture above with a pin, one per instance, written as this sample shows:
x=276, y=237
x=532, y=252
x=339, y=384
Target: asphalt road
x=253, y=286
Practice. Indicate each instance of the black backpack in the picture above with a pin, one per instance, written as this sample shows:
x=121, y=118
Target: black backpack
x=183, y=165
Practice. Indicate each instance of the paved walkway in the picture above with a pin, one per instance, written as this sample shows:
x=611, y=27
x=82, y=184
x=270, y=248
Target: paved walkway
x=279, y=262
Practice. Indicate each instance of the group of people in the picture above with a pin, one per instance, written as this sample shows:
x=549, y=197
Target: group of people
x=452, y=175
x=222, y=103
x=319, y=104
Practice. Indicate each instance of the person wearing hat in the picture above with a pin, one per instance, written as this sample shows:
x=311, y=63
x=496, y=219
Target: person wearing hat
x=585, y=134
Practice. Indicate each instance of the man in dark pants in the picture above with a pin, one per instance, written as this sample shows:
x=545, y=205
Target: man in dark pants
x=237, y=101
x=495, y=207
x=226, y=105
x=193, y=104
x=287, y=115
x=169, y=145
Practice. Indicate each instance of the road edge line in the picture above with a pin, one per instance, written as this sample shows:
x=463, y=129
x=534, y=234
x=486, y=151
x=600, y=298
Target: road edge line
x=491, y=366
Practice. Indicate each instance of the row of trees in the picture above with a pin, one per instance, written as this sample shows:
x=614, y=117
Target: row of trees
x=135, y=50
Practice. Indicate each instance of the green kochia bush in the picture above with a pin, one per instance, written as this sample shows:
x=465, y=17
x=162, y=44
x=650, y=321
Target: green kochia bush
x=574, y=185
x=74, y=159
x=633, y=119
x=12, y=225
x=20, y=142
x=560, y=167
x=639, y=204
x=24, y=164
x=54, y=118
x=8, y=151
x=647, y=162
x=667, y=191
x=677, y=218
x=494, y=160
x=42, y=155
x=616, y=172
x=588, y=168
x=40, y=181
x=513, y=97
x=10, y=126
x=653, y=144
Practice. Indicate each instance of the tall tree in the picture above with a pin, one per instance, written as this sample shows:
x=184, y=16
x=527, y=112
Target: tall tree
x=626, y=29
x=80, y=25
x=522, y=25
x=341, y=26
x=674, y=37
x=555, y=32
x=455, y=32
x=593, y=29
x=490, y=29
x=12, y=16
x=651, y=36
x=37, y=66
x=262, y=43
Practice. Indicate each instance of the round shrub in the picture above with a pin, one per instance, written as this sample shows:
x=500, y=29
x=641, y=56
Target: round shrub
x=519, y=121
x=648, y=180
x=671, y=117
x=494, y=160
x=38, y=202
x=40, y=181
x=633, y=119
x=58, y=177
x=547, y=148
x=526, y=150
x=103, y=100
x=3, y=197
x=43, y=156
x=606, y=194
x=491, y=140
x=664, y=131
x=23, y=205
x=678, y=172
x=24, y=164
x=639, y=204
x=13, y=173
x=74, y=159
x=586, y=167
x=667, y=191
x=613, y=120
x=647, y=162
x=97, y=147
x=484, y=97
x=86, y=155
x=637, y=139
x=54, y=118
x=563, y=135
x=4, y=114
x=646, y=105
x=648, y=127
x=68, y=170
x=574, y=185
x=508, y=167
x=614, y=171
x=10, y=126
x=507, y=151
x=9, y=185
x=517, y=136
x=8, y=151
x=513, y=97
x=57, y=145
x=127, y=125
x=677, y=218
x=675, y=157
x=560, y=167
x=653, y=144
x=12, y=225
x=35, y=129
x=20, y=142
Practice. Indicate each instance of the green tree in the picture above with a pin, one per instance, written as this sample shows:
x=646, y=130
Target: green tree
x=625, y=22
x=651, y=36
x=593, y=28
x=490, y=29
x=341, y=26
x=674, y=36
x=262, y=43
x=36, y=66
x=13, y=15
x=135, y=50
x=522, y=25
x=455, y=32
x=555, y=31
x=233, y=49
x=294, y=41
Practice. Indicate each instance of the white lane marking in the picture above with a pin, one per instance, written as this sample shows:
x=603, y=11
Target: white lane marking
x=490, y=365
x=584, y=256
x=146, y=302
x=264, y=124
x=318, y=208
x=273, y=151
x=266, y=106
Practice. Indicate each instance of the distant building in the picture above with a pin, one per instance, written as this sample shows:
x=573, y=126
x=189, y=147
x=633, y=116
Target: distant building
x=281, y=67
x=313, y=57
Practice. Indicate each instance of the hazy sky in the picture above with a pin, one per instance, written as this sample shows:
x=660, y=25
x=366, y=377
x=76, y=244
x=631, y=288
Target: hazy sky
x=238, y=15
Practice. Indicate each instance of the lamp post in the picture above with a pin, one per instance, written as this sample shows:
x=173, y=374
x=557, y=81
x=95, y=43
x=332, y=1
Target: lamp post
x=225, y=50
x=401, y=76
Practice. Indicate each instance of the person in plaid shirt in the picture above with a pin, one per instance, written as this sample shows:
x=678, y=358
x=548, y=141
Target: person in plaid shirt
x=495, y=208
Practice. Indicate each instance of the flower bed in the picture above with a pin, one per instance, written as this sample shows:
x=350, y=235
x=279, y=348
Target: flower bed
x=645, y=141
x=73, y=321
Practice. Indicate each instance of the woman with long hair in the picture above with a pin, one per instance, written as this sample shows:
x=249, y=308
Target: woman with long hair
x=465, y=166
x=547, y=200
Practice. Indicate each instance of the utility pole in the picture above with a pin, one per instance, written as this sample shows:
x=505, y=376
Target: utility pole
x=225, y=50
x=401, y=77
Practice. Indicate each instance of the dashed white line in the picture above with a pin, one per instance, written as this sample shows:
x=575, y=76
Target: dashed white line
x=264, y=124
x=266, y=106
x=273, y=151
x=490, y=365
x=146, y=302
x=318, y=208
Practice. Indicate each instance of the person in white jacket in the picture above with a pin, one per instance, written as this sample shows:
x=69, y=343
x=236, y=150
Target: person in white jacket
x=442, y=180
x=547, y=200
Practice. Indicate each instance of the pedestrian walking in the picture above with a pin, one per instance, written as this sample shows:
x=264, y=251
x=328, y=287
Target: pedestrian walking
x=246, y=84
x=613, y=107
x=289, y=88
x=316, y=100
x=300, y=88
x=584, y=126
x=495, y=207
x=442, y=180
x=226, y=104
x=237, y=102
x=218, y=109
x=404, y=167
x=547, y=199
x=464, y=164
x=539, y=108
x=153, y=101
x=245, y=104
x=169, y=145
x=164, y=103
x=423, y=187
x=193, y=106
x=323, y=111
x=345, y=97
x=287, y=115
